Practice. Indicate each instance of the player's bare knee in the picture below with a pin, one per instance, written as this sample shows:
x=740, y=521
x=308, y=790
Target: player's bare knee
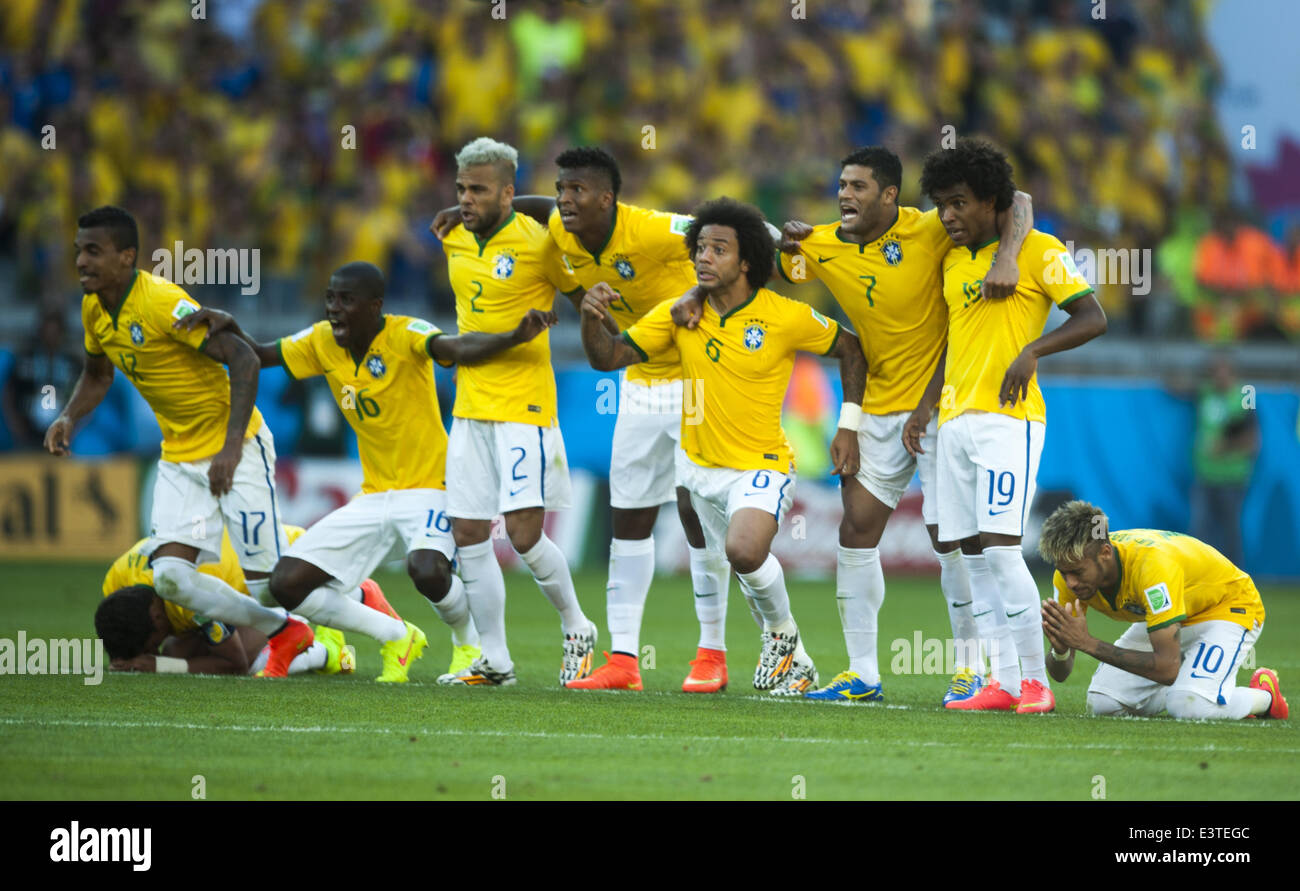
x=633, y=524
x=430, y=571
x=745, y=556
x=286, y=586
x=524, y=530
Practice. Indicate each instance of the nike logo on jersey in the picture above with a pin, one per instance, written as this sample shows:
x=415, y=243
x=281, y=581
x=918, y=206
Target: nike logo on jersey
x=977, y=615
x=252, y=553
x=994, y=513
x=514, y=492
x=1016, y=613
x=821, y=259
x=959, y=605
x=577, y=265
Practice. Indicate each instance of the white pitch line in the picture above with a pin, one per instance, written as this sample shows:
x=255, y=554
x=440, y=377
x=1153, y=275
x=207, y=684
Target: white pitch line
x=640, y=737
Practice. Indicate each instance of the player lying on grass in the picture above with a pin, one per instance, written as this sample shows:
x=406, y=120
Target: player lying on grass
x=642, y=256
x=882, y=263
x=992, y=420
x=378, y=367
x=1194, y=617
x=134, y=622
x=735, y=459
x=217, y=468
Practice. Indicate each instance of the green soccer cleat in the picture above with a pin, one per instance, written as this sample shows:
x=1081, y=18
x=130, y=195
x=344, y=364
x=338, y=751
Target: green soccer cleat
x=341, y=657
x=399, y=654
x=463, y=657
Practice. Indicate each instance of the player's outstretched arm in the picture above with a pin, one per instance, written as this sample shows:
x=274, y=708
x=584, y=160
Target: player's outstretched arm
x=1014, y=224
x=1087, y=320
x=479, y=346
x=853, y=380
x=538, y=207
x=227, y=348
x=919, y=419
x=219, y=320
x=606, y=350
x=93, y=383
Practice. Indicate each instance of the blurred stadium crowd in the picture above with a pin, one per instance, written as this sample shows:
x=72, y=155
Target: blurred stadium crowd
x=230, y=132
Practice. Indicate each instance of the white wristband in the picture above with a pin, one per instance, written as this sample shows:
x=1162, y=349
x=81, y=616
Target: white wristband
x=170, y=665
x=850, y=416
x=1060, y=657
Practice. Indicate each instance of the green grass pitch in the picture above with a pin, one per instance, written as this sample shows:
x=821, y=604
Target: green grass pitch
x=148, y=737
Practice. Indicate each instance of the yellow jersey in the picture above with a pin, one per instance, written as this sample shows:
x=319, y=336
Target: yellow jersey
x=132, y=568
x=645, y=261
x=389, y=398
x=738, y=366
x=1168, y=577
x=497, y=279
x=986, y=336
x=188, y=392
x=891, y=290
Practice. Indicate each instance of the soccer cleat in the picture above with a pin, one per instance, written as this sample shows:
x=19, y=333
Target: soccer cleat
x=373, y=597
x=775, y=660
x=579, y=650
x=341, y=657
x=620, y=672
x=800, y=680
x=848, y=686
x=991, y=699
x=963, y=686
x=294, y=638
x=708, y=672
x=480, y=674
x=1266, y=679
x=1035, y=698
x=399, y=654
x=463, y=657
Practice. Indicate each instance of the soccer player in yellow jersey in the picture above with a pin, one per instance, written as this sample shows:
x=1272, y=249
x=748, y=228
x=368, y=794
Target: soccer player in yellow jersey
x=641, y=254
x=505, y=444
x=217, y=469
x=735, y=459
x=1193, y=618
x=991, y=415
x=378, y=367
x=881, y=262
x=133, y=621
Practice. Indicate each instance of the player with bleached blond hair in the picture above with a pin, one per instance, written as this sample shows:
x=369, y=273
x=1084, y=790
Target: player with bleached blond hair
x=1194, y=616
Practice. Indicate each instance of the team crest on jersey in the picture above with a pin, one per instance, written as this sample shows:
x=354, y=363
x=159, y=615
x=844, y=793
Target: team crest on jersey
x=754, y=337
x=893, y=252
x=503, y=266
x=623, y=266
x=375, y=365
x=137, y=334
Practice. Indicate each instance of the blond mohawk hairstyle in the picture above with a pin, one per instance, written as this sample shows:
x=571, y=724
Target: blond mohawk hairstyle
x=488, y=151
x=1070, y=531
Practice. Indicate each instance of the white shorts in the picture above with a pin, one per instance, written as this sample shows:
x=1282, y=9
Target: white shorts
x=186, y=512
x=718, y=492
x=495, y=467
x=986, y=471
x=374, y=528
x=1211, y=653
x=643, y=459
x=886, y=466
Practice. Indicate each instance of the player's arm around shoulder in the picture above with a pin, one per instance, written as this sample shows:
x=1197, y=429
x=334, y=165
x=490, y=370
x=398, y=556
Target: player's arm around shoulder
x=479, y=346
x=607, y=350
x=218, y=321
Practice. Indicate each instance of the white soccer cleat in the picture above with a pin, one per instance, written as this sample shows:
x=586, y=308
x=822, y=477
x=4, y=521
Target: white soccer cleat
x=579, y=653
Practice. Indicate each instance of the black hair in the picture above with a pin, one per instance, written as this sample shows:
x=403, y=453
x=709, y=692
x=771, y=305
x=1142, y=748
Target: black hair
x=594, y=158
x=368, y=276
x=122, y=621
x=119, y=224
x=977, y=164
x=886, y=169
x=756, y=245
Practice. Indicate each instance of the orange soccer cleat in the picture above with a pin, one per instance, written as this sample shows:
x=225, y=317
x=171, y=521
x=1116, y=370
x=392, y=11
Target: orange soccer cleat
x=294, y=638
x=620, y=672
x=708, y=672
x=373, y=596
x=991, y=699
x=1035, y=698
x=1266, y=679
